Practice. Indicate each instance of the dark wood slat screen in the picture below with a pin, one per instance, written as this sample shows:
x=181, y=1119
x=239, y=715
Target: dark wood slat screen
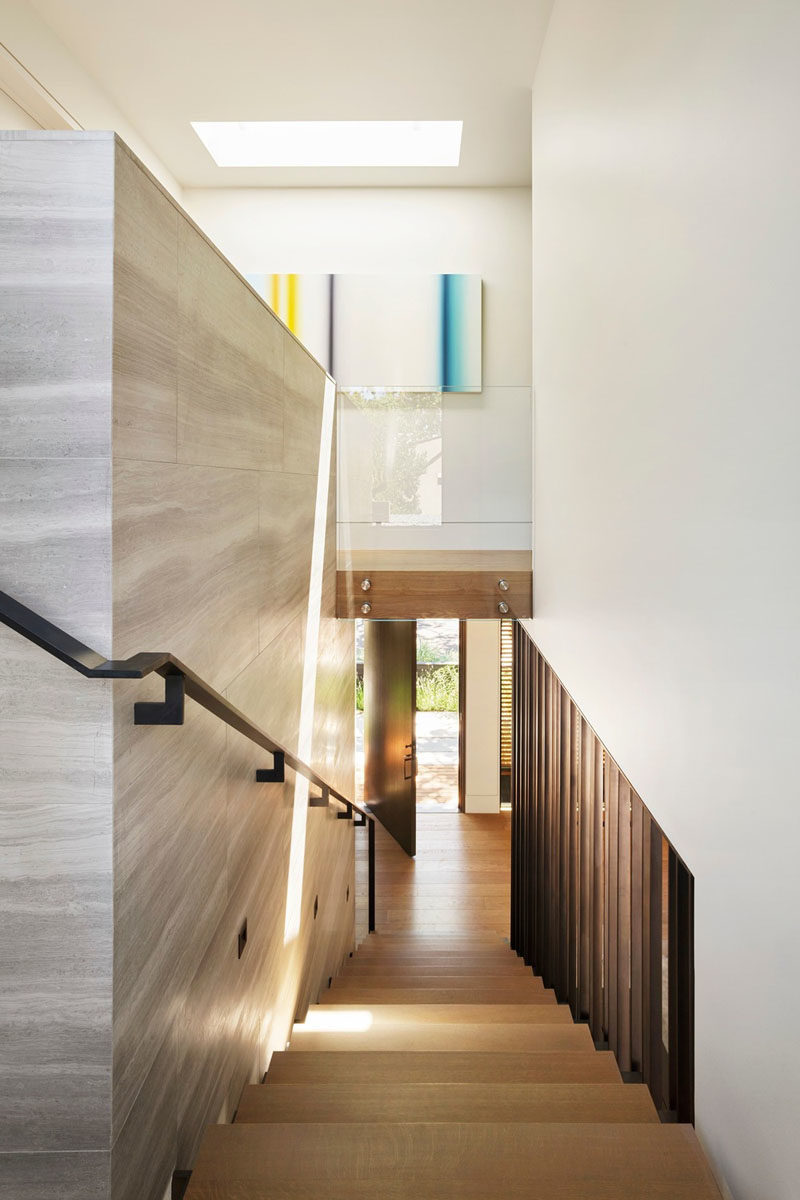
x=602, y=906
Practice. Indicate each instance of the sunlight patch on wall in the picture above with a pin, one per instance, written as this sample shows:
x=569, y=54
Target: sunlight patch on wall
x=294, y=893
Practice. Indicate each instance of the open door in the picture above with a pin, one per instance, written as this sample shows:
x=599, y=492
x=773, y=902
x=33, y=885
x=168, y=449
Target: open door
x=390, y=751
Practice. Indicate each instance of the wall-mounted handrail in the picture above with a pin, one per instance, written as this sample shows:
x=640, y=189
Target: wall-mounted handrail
x=180, y=681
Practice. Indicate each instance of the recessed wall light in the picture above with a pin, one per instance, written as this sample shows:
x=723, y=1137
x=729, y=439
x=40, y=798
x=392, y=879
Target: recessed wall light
x=331, y=143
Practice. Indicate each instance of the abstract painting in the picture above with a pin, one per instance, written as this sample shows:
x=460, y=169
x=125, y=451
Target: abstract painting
x=415, y=333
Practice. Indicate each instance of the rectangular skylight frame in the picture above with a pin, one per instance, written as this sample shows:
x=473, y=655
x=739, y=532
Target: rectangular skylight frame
x=332, y=143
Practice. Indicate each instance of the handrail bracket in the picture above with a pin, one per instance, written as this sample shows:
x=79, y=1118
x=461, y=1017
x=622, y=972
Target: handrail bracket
x=276, y=773
x=168, y=711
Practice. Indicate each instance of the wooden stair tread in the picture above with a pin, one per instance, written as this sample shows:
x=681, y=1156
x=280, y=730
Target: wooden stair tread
x=352, y=1068
x=416, y=937
x=448, y=946
x=422, y=1036
x=401, y=961
x=446, y=1013
x=449, y=939
x=439, y=970
x=459, y=1102
x=428, y=944
x=451, y=1161
x=479, y=993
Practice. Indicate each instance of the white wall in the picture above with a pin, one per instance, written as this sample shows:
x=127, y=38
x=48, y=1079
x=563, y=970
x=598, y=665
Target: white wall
x=667, y=557
x=483, y=231
x=482, y=718
x=54, y=69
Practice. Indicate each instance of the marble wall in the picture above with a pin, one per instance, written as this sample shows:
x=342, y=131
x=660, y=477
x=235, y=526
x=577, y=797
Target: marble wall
x=56, y=744
x=221, y=547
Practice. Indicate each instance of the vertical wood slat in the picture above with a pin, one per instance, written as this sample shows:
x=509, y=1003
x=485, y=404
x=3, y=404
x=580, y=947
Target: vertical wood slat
x=647, y=951
x=573, y=928
x=655, y=1082
x=530, y=795
x=518, y=757
x=585, y=918
x=611, y=776
x=672, y=977
x=623, y=924
x=564, y=806
x=637, y=931
x=553, y=804
x=684, y=1011
x=600, y=1021
x=541, y=788
x=590, y=888
x=563, y=837
x=550, y=853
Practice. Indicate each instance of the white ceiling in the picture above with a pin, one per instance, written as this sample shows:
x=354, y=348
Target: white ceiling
x=168, y=62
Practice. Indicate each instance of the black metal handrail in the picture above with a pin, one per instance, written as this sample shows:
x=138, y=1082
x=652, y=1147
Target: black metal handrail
x=180, y=682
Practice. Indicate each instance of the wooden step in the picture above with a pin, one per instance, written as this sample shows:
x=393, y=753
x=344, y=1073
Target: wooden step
x=424, y=979
x=476, y=993
x=526, y=1038
x=350, y=1069
x=451, y=1162
x=431, y=939
x=442, y=962
x=494, y=922
x=403, y=954
x=353, y=969
x=462, y=1102
x=415, y=936
x=440, y=1014
x=441, y=945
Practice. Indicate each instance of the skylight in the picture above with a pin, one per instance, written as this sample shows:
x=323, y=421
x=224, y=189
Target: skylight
x=331, y=143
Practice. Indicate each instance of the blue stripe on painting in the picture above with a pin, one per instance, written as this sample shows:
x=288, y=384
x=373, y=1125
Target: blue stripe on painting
x=455, y=325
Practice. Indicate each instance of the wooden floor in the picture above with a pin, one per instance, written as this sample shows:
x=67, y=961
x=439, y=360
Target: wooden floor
x=438, y=1067
x=459, y=882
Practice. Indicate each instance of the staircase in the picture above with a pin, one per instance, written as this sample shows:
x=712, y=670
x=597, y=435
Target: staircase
x=437, y=1067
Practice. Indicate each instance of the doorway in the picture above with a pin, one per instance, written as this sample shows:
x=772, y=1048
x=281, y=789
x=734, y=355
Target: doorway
x=413, y=677
x=438, y=716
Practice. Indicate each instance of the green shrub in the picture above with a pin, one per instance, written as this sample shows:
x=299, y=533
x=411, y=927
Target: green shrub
x=437, y=689
x=426, y=653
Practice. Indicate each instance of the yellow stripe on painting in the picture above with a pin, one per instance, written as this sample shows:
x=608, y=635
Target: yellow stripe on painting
x=292, y=306
x=275, y=294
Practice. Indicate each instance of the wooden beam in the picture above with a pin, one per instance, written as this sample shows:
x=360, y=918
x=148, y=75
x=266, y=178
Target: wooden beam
x=404, y=595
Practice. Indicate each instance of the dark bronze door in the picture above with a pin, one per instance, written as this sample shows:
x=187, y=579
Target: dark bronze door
x=390, y=749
